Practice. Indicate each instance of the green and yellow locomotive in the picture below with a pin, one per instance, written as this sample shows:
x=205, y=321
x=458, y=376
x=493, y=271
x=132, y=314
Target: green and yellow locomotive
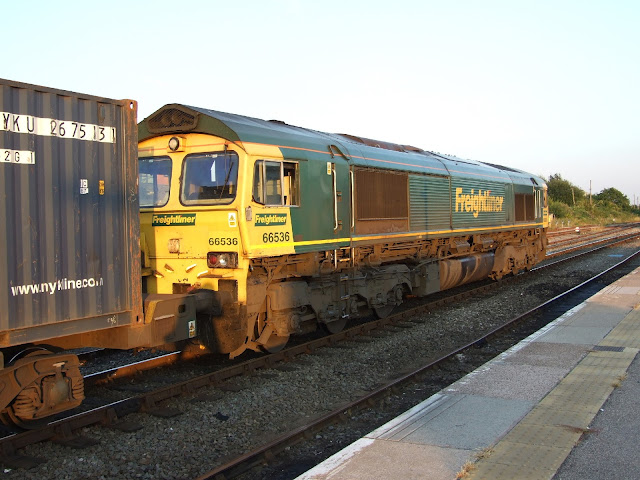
x=277, y=229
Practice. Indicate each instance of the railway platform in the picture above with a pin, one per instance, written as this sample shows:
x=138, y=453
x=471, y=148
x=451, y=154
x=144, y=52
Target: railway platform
x=574, y=383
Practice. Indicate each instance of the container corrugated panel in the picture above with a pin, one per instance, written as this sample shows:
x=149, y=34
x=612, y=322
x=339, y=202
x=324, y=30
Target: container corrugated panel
x=477, y=203
x=69, y=208
x=429, y=203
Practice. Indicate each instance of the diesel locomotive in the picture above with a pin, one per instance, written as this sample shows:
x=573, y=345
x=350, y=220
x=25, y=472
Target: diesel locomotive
x=277, y=229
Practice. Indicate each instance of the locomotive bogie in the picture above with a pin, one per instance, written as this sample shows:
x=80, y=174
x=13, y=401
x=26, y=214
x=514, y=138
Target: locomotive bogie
x=39, y=384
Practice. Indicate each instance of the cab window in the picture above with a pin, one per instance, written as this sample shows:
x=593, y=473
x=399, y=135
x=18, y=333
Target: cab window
x=154, y=181
x=276, y=183
x=209, y=178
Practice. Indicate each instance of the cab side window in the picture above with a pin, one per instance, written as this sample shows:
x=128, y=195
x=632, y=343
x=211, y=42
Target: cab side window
x=276, y=183
x=154, y=181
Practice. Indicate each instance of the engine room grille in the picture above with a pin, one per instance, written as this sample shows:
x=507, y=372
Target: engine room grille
x=381, y=195
x=172, y=119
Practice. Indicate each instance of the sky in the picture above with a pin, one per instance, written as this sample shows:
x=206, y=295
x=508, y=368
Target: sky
x=547, y=86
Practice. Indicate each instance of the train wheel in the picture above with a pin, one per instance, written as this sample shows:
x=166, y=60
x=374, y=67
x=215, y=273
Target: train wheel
x=266, y=337
x=31, y=352
x=384, y=311
x=275, y=343
x=10, y=418
x=335, y=327
x=394, y=298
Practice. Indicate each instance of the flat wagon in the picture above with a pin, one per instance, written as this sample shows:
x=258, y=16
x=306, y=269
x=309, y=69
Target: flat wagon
x=70, y=276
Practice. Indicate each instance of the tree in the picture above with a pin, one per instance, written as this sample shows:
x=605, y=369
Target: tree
x=564, y=191
x=613, y=196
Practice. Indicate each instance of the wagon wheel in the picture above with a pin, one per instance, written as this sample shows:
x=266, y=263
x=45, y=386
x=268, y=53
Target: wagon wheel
x=8, y=415
x=9, y=418
x=32, y=352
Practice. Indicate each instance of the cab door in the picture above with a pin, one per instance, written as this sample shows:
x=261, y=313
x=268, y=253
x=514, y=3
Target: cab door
x=341, y=179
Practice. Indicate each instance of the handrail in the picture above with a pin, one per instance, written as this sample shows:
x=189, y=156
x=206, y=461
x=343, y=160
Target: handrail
x=353, y=203
x=335, y=198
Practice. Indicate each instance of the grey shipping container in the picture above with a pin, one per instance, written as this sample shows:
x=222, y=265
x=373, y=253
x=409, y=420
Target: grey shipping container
x=69, y=207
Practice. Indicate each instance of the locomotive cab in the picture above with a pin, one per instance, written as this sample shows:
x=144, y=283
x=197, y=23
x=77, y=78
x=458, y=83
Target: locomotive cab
x=191, y=242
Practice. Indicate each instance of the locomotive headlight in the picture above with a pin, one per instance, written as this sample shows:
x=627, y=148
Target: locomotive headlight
x=222, y=260
x=176, y=144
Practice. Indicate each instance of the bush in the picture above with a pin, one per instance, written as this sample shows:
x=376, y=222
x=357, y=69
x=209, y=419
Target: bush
x=559, y=209
x=564, y=191
x=571, y=206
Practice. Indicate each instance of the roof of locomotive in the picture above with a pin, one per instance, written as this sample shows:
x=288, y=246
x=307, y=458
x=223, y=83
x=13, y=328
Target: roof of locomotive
x=306, y=144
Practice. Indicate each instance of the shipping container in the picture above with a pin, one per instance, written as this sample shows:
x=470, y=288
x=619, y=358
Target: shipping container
x=69, y=207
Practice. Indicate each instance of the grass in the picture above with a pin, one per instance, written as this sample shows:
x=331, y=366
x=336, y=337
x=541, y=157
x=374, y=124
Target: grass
x=470, y=466
x=589, y=213
x=466, y=470
x=618, y=382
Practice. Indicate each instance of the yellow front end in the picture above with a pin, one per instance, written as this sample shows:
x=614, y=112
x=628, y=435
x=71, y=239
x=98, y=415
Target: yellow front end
x=545, y=214
x=190, y=198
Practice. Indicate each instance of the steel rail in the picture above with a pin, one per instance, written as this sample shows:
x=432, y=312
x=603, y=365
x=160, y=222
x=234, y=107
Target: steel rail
x=124, y=371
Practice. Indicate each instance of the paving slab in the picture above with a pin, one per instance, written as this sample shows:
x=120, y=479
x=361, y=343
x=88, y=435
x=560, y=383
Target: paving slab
x=469, y=422
x=383, y=460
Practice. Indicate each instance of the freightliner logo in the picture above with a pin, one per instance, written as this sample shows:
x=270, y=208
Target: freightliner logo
x=268, y=219
x=482, y=201
x=167, y=220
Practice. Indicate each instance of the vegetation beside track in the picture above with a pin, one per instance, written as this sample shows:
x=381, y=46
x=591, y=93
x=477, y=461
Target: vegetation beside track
x=572, y=206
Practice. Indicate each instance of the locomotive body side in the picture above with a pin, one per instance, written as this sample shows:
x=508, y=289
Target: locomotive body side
x=284, y=229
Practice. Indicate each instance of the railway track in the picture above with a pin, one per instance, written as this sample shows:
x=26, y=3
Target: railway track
x=110, y=415
x=568, y=231
x=561, y=242
x=267, y=452
x=610, y=235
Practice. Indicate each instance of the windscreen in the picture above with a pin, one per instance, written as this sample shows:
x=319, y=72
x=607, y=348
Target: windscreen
x=209, y=178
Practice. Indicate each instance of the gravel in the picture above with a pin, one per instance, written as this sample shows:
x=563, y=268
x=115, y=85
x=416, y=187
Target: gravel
x=218, y=424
